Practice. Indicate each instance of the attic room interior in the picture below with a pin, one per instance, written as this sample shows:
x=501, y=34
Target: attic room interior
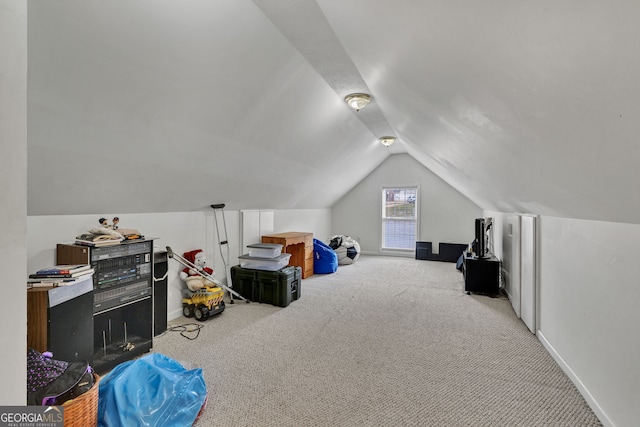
x=525, y=113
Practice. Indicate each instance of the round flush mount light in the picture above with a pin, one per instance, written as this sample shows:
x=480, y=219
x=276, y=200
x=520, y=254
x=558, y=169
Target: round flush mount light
x=357, y=101
x=387, y=140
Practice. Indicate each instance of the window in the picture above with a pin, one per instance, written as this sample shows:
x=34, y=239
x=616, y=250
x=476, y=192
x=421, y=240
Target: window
x=399, y=218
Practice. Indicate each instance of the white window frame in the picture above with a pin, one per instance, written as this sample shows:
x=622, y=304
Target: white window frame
x=382, y=206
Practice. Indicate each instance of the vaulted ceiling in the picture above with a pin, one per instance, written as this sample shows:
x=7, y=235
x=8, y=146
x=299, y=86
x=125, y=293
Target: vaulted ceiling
x=163, y=105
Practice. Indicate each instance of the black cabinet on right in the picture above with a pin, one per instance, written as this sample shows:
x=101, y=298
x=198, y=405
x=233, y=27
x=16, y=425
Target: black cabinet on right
x=481, y=275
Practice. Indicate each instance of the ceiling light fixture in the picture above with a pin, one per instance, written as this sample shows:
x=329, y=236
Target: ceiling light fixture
x=358, y=101
x=387, y=140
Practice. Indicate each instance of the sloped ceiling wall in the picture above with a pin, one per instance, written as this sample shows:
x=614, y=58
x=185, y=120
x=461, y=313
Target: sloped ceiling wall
x=158, y=105
x=154, y=106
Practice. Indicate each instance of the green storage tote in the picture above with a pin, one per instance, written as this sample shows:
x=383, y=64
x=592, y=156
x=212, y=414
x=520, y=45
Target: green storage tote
x=278, y=288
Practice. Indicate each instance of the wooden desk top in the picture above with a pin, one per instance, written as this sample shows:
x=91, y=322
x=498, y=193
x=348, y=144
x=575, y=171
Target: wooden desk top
x=288, y=234
x=289, y=238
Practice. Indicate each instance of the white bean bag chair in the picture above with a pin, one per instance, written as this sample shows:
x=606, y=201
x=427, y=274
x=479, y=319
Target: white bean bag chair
x=347, y=249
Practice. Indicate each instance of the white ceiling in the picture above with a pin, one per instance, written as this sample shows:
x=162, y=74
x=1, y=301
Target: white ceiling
x=163, y=105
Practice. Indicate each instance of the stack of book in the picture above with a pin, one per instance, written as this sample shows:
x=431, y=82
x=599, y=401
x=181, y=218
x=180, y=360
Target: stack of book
x=60, y=275
x=97, y=240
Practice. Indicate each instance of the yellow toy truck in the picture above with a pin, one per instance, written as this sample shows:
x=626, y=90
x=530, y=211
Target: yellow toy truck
x=203, y=303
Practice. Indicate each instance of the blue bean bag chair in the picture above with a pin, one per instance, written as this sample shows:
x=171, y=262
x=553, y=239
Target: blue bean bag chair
x=325, y=258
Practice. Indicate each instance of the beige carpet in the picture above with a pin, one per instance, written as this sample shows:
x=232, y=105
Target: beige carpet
x=384, y=342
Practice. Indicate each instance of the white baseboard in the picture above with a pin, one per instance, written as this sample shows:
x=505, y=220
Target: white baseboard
x=402, y=254
x=591, y=401
x=173, y=315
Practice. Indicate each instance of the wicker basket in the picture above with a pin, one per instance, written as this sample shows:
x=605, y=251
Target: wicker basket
x=83, y=410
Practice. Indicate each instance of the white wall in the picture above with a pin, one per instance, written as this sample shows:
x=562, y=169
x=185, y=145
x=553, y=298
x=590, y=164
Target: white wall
x=316, y=221
x=445, y=215
x=182, y=231
x=588, y=314
x=13, y=193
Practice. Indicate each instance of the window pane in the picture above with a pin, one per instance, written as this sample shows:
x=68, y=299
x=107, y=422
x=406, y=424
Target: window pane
x=399, y=234
x=399, y=221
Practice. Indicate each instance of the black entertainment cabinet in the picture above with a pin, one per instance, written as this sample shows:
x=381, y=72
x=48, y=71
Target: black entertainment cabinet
x=481, y=275
x=122, y=298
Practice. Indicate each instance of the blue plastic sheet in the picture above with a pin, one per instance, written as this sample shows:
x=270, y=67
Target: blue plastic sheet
x=153, y=390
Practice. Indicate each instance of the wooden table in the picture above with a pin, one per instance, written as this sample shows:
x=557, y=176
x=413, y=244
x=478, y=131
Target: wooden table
x=299, y=245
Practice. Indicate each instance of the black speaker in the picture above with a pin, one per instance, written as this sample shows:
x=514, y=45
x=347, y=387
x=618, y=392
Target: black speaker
x=160, y=268
x=423, y=250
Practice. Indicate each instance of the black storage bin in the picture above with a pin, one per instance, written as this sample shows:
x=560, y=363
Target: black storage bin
x=243, y=281
x=278, y=288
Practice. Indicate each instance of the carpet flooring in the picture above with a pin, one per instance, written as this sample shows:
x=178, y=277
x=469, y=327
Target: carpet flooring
x=386, y=341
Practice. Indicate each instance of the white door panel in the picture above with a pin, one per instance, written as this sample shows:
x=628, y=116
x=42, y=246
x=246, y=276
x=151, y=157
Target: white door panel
x=511, y=261
x=253, y=225
x=528, y=271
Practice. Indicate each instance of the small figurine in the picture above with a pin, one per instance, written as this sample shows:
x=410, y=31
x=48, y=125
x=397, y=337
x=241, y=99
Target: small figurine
x=116, y=220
